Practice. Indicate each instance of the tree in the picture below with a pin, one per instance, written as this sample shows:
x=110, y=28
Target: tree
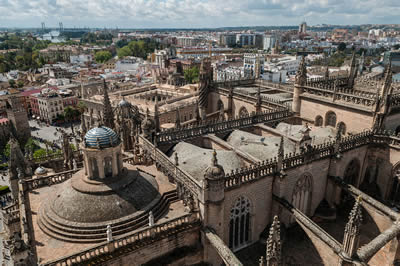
x=20, y=84
x=102, y=56
x=124, y=51
x=31, y=145
x=40, y=153
x=342, y=46
x=12, y=83
x=192, y=74
x=70, y=115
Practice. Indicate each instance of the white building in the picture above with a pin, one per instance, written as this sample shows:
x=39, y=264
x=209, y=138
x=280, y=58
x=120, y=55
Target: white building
x=128, y=64
x=269, y=42
x=250, y=62
x=81, y=59
x=288, y=63
x=275, y=76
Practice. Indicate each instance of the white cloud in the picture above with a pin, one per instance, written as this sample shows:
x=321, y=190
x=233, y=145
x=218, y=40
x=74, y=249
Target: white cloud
x=194, y=13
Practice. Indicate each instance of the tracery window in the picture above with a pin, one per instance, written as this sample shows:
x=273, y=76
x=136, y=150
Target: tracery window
x=243, y=112
x=330, y=119
x=239, y=225
x=301, y=198
x=108, y=166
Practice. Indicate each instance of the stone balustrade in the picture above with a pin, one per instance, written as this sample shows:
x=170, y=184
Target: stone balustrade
x=169, y=168
x=35, y=183
x=133, y=241
x=183, y=133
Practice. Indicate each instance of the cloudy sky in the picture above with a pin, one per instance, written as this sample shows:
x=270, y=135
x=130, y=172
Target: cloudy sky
x=194, y=13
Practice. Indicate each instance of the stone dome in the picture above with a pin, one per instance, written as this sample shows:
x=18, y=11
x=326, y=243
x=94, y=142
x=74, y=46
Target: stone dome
x=101, y=137
x=214, y=171
x=124, y=103
x=40, y=171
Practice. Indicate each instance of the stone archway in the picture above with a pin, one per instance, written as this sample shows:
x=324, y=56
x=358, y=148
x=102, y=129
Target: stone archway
x=243, y=112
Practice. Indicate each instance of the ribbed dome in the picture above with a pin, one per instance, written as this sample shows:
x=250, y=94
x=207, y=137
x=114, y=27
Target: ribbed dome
x=101, y=136
x=124, y=103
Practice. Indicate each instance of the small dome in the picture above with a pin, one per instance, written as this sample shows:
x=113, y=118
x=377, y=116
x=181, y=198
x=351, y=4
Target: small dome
x=101, y=137
x=124, y=103
x=40, y=171
x=214, y=171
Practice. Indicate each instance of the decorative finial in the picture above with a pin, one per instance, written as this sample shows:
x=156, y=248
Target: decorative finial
x=214, y=158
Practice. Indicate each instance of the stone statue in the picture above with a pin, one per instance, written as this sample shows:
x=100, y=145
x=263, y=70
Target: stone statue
x=109, y=233
x=151, y=219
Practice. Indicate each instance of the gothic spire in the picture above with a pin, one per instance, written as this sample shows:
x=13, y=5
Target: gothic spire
x=387, y=85
x=281, y=148
x=352, y=229
x=156, y=115
x=353, y=70
x=214, y=161
x=108, y=116
x=301, y=75
x=273, y=253
x=258, y=103
x=83, y=125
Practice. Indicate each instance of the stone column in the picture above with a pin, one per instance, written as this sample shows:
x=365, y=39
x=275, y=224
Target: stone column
x=115, y=164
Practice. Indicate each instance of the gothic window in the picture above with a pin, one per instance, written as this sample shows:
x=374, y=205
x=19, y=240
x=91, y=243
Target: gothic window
x=330, y=119
x=243, y=112
x=239, y=225
x=341, y=127
x=108, y=167
x=319, y=121
x=352, y=172
x=301, y=198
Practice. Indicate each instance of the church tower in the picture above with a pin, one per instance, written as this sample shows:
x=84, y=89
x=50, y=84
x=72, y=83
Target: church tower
x=19, y=119
x=108, y=116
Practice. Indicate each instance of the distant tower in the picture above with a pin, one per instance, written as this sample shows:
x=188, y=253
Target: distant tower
x=303, y=28
x=61, y=26
x=353, y=71
x=18, y=117
x=43, y=27
x=108, y=116
x=18, y=166
x=301, y=78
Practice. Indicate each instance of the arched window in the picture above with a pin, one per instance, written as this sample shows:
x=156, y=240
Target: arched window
x=330, y=119
x=352, y=172
x=341, y=127
x=301, y=198
x=108, y=167
x=319, y=121
x=243, y=112
x=239, y=225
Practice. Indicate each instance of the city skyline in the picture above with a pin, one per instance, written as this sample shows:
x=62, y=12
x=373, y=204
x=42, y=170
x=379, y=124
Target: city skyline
x=191, y=14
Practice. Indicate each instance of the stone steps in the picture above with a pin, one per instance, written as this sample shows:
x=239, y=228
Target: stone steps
x=92, y=234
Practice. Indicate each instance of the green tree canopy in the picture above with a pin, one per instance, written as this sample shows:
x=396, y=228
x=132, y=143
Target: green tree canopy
x=124, y=51
x=342, y=46
x=102, y=56
x=192, y=74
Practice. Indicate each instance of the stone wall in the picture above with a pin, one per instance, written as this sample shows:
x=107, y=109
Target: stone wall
x=355, y=120
x=161, y=248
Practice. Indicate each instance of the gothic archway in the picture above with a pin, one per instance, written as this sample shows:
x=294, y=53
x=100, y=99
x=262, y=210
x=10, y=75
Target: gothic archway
x=330, y=119
x=243, y=112
x=352, y=172
x=319, y=121
x=239, y=224
x=302, y=193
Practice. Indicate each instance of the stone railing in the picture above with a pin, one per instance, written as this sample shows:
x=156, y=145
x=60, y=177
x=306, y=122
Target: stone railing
x=233, y=83
x=279, y=86
x=327, y=83
x=31, y=184
x=248, y=174
x=163, y=162
x=133, y=241
x=344, y=95
x=183, y=133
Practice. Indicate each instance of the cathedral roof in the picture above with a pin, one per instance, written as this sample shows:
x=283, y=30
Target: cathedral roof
x=101, y=137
